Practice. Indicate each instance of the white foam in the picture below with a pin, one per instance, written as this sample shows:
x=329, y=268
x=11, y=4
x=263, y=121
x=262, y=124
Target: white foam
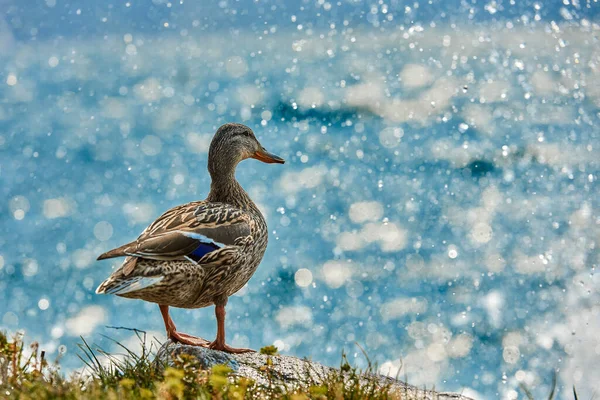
x=311, y=97
x=418, y=368
x=543, y=82
x=399, y=307
x=86, y=321
x=250, y=95
x=30, y=267
x=560, y=154
x=350, y=241
x=390, y=237
x=494, y=262
x=415, y=76
x=198, y=143
x=294, y=316
x=308, y=178
x=166, y=117
x=151, y=145
x=528, y=265
x=149, y=90
x=367, y=95
x=582, y=217
x=494, y=91
x=115, y=108
x=83, y=258
x=460, y=346
x=138, y=212
x=363, y=211
x=58, y=208
x=103, y=231
x=493, y=302
x=480, y=117
x=336, y=273
x=458, y=155
x=236, y=67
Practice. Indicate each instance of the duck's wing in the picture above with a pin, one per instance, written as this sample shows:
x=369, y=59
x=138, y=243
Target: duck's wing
x=189, y=231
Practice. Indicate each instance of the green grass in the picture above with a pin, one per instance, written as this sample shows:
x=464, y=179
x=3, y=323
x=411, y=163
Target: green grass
x=138, y=376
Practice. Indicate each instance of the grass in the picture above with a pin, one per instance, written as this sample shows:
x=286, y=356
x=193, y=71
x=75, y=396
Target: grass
x=30, y=375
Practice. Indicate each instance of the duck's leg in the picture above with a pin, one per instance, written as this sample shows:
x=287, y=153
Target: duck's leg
x=175, y=336
x=219, y=342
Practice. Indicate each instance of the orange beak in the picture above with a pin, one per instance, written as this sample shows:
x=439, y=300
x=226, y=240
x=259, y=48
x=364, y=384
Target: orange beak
x=266, y=157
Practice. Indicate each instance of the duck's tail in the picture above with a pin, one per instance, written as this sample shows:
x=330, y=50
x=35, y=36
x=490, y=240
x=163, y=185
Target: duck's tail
x=122, y=285
x=125, y=270
x=124, y=250
x=101, y=289
x=120, y=274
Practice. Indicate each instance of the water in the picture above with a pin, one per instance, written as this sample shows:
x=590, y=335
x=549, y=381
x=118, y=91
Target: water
x=438, y=205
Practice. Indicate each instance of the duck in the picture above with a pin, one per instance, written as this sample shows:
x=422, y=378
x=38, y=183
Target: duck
x=199, y=254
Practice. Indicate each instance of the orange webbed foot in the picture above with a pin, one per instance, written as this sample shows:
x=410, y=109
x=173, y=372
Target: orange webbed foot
x=228, y=349
x=184, y=338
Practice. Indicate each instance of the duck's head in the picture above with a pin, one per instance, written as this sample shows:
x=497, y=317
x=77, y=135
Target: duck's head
x=233, y=143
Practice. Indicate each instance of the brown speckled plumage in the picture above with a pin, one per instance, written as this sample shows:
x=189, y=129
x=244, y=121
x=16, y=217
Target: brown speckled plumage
x=200, y=253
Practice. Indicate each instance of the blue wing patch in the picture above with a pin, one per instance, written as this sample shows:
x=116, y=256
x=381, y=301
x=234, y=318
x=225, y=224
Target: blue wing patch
x=206, y=245
x=202, y=250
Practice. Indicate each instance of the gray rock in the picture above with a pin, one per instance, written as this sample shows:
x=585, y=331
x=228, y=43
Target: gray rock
x=286, y=370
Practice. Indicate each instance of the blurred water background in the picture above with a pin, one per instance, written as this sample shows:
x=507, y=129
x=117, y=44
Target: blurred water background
x=439, y=205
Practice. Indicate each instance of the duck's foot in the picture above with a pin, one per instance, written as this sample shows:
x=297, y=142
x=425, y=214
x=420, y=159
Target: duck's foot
x=184, y=338
x=228, y=349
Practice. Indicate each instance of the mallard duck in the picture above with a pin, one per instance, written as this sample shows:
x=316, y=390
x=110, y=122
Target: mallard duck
x=198, y=254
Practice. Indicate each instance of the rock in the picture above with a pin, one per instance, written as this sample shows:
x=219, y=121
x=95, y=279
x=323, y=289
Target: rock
x=286, y=370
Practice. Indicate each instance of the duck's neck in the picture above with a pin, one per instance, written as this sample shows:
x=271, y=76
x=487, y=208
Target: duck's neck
x=226, y=189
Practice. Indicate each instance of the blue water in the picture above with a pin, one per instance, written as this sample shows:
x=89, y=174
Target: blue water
x=439, y=204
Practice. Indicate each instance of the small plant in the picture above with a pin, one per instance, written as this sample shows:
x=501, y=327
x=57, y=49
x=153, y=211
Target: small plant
x=269, y=350
x=268, y=367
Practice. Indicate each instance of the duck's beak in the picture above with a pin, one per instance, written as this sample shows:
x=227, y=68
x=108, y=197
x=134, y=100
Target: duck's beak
x=266, y=157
